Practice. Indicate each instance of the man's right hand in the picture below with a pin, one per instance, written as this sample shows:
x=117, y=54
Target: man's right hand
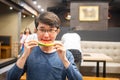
x=27, y=50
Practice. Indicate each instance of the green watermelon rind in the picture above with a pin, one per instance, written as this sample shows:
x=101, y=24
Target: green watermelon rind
x=42, y=44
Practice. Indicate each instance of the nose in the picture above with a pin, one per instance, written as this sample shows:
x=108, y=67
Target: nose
x=46, y=34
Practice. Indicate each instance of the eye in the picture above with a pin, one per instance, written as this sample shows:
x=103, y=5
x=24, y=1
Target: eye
x=42, y=30
x=50, y=30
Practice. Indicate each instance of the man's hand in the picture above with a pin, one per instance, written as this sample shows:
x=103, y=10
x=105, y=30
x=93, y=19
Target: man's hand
x=62, y=53
x=27, y=50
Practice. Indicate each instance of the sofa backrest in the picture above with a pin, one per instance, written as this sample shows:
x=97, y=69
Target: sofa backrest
x=111, y=49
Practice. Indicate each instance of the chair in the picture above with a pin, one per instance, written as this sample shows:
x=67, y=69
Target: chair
x=77, y=56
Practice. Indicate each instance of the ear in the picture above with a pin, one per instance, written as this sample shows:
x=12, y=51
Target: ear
x=58, y=30
x=35, y=30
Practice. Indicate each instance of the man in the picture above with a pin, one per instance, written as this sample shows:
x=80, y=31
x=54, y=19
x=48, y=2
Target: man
x=46, y=62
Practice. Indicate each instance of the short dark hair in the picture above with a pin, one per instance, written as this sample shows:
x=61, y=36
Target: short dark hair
x=48, y=18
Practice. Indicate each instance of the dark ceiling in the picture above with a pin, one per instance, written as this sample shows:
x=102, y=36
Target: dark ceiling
x=58, y=6
x=65, y=4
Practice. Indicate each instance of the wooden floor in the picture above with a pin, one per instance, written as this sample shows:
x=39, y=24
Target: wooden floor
x=3, y=77
x=23, y=77
x=98, y=78
x=84, y=78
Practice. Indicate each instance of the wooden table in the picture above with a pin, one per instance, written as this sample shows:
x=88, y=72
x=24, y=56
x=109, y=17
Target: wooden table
x=97, y=57
x=98, y=78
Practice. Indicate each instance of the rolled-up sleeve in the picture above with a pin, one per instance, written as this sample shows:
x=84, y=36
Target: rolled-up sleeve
x=72, y=71
x=14, y=73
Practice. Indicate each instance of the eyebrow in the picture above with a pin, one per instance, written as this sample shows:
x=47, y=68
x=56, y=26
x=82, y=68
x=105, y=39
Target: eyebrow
x=49, y=28
x=41, y=27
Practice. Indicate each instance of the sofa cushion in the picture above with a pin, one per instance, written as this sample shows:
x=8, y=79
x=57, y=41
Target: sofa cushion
x=111, y=49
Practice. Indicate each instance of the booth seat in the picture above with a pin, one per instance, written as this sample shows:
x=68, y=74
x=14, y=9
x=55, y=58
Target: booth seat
x=111, y=49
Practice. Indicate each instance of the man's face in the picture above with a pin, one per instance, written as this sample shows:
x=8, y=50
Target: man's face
x=46, y=33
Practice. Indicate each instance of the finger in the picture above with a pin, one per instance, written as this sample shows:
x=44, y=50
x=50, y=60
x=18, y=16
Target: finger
x=59, y=44
x=32, y=43
x=32, y=46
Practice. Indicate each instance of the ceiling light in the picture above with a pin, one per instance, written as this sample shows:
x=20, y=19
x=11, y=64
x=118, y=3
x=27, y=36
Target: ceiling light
x=68, y=16
x=34, y=2
x=24, y=16
x=22, y=4
x=10, y=8
x=33, y=16
x=39, y=6
x=42, y=10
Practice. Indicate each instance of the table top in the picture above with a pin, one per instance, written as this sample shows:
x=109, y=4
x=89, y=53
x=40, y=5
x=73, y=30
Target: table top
x=6, y=60
x=96, y=56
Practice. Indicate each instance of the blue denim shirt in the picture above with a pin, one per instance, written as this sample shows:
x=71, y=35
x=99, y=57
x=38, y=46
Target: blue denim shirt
x=42, y=66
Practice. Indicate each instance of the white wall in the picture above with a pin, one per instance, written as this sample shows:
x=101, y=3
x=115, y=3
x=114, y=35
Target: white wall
x=28, y=22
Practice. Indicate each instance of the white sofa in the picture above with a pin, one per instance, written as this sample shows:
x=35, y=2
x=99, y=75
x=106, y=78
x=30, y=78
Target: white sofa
x=111, y=49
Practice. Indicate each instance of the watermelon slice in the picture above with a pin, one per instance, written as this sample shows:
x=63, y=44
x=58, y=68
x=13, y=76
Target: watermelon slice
x=45, y=44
